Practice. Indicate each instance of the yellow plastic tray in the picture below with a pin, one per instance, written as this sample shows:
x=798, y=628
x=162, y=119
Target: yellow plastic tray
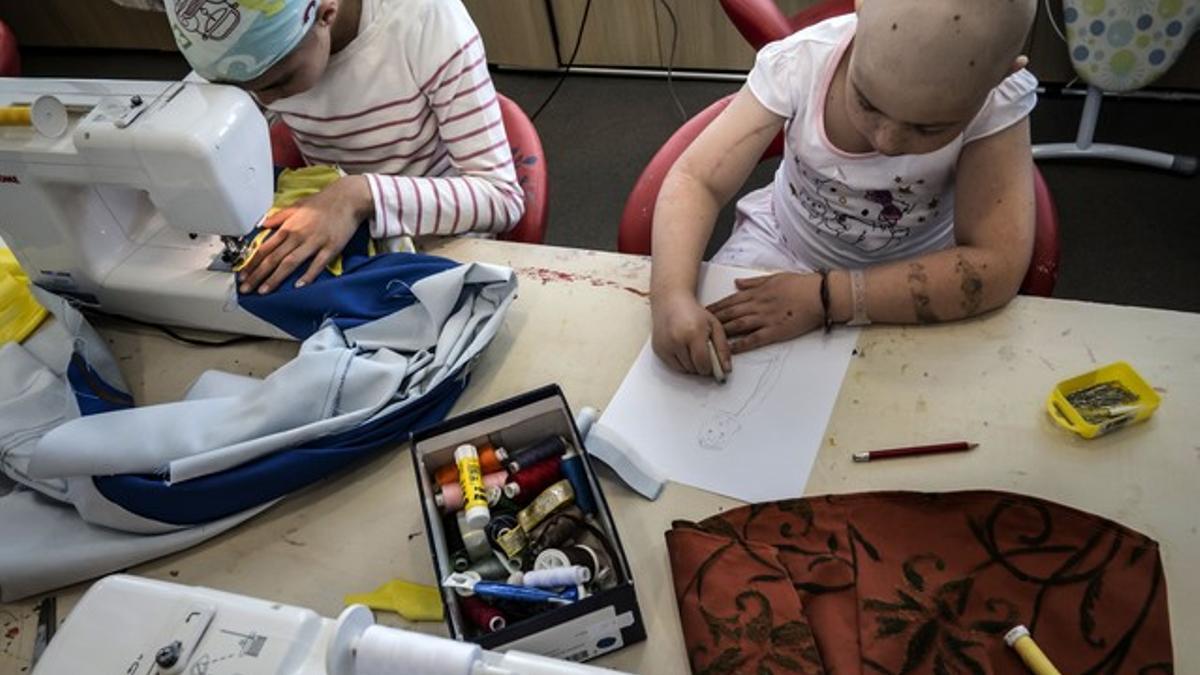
x=1068, y=417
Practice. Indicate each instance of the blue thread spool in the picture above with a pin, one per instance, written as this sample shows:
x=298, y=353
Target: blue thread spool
x=572, y=468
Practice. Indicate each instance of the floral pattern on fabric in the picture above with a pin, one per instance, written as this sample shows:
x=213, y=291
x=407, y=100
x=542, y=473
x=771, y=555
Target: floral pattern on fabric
x=892, y=583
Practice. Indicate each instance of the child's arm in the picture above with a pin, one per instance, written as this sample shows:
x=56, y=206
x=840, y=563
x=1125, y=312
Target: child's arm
x=447, y=57
x=994, y=222
x=704, y=178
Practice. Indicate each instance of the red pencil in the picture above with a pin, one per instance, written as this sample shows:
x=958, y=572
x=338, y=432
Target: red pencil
x=915, y=450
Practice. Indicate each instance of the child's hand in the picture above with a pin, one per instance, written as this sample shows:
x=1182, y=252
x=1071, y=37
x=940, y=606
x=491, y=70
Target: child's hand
x=317, y=227
x=769, y=309
x=682, y=329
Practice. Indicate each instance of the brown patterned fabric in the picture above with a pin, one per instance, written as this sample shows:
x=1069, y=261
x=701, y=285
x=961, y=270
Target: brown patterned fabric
x=903, y=582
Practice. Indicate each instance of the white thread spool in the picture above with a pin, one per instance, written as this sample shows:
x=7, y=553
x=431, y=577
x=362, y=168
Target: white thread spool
x=359, y=647
x=551, y=558
x=553, y=577
x=387, y=651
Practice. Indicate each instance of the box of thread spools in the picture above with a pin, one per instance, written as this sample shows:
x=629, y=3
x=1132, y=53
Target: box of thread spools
x=522, y=539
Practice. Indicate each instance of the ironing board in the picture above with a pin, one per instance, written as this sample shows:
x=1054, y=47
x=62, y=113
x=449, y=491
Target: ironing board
x=1120, y=46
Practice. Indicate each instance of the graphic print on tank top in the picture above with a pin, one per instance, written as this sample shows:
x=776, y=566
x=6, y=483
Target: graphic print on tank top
x=871, y=220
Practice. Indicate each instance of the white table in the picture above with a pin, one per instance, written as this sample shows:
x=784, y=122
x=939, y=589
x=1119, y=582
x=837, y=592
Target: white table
x=580, y=321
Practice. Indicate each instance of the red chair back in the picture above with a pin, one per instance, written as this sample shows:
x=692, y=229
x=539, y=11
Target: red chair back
x=761, y=21
x=10, y=58
x=530, y=162
x=528, y=159
x=634, y=235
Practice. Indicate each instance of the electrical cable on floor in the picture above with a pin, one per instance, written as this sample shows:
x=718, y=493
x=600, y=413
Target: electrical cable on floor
x=671, y=60
x=1053, y=22
x=570, y=62
x=175, y=335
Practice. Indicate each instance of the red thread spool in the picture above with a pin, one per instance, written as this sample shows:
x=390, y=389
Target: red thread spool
x=482, y=615
x=536, y=478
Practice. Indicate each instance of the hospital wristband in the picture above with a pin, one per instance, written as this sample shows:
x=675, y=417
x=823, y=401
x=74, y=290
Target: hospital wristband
x=858, y=295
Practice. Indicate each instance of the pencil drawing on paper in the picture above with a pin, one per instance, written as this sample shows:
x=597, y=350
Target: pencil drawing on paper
x=751, y=383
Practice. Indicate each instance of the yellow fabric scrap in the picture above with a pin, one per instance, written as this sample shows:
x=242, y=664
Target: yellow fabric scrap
x=415, y=602
x=296, y=184
x=20, y=313
x=292, y=186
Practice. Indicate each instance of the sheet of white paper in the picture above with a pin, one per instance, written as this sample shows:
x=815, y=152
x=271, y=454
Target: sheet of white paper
x=753, y=438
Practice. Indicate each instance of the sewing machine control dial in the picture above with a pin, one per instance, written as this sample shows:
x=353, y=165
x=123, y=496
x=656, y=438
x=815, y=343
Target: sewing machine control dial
x=168, y=656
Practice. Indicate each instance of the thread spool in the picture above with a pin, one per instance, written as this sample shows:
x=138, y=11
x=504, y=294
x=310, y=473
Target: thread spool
x=601, y=566
x=506, y=534
x=553, y=577
x=477, y=545
x=490, y=569
x=483, y=616
x=385, y=651
x=459, y=560
x=474, y=540
x=553, y=446
x=470, y=477
x=15, y=116
x=550, y=559
x=504, y=505
x=450, y=498
x=597, y=564
x=491, y=460
x=498, y=525
x=527, y=483
x=572, y=468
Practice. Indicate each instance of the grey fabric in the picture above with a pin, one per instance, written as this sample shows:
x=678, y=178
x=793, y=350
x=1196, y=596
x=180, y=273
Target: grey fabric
x=337, y=381
x=47, y=545
x=65, y=530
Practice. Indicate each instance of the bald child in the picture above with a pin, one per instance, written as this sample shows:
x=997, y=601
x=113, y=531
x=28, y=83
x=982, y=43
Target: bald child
x=905, y=190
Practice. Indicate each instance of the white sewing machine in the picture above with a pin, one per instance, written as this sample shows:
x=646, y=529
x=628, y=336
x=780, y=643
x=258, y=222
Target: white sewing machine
x=128, y=196
x=126, y=624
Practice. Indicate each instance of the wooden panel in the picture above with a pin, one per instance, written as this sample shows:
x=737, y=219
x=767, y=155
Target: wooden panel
x=618, y=33
x=707, y=38
x=515, y=32
x=86, y=23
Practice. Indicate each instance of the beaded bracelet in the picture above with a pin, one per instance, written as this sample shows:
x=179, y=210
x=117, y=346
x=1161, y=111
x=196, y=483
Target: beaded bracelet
x=826, y=319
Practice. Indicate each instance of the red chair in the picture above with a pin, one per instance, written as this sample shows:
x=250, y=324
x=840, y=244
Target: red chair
x=528, y=158
x=10, y=59
x=761, y=21
x=637, y=219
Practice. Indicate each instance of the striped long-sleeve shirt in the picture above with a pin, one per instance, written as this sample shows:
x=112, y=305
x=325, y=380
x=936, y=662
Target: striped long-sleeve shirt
x=409, y=104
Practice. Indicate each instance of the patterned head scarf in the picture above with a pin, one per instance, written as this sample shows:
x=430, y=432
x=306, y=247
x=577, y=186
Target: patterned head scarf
x=238, y=40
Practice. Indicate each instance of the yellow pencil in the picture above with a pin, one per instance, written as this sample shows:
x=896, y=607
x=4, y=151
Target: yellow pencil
x=1035, y=659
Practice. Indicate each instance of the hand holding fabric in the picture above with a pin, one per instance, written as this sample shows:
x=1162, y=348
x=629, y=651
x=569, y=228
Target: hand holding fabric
x=315, y=229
